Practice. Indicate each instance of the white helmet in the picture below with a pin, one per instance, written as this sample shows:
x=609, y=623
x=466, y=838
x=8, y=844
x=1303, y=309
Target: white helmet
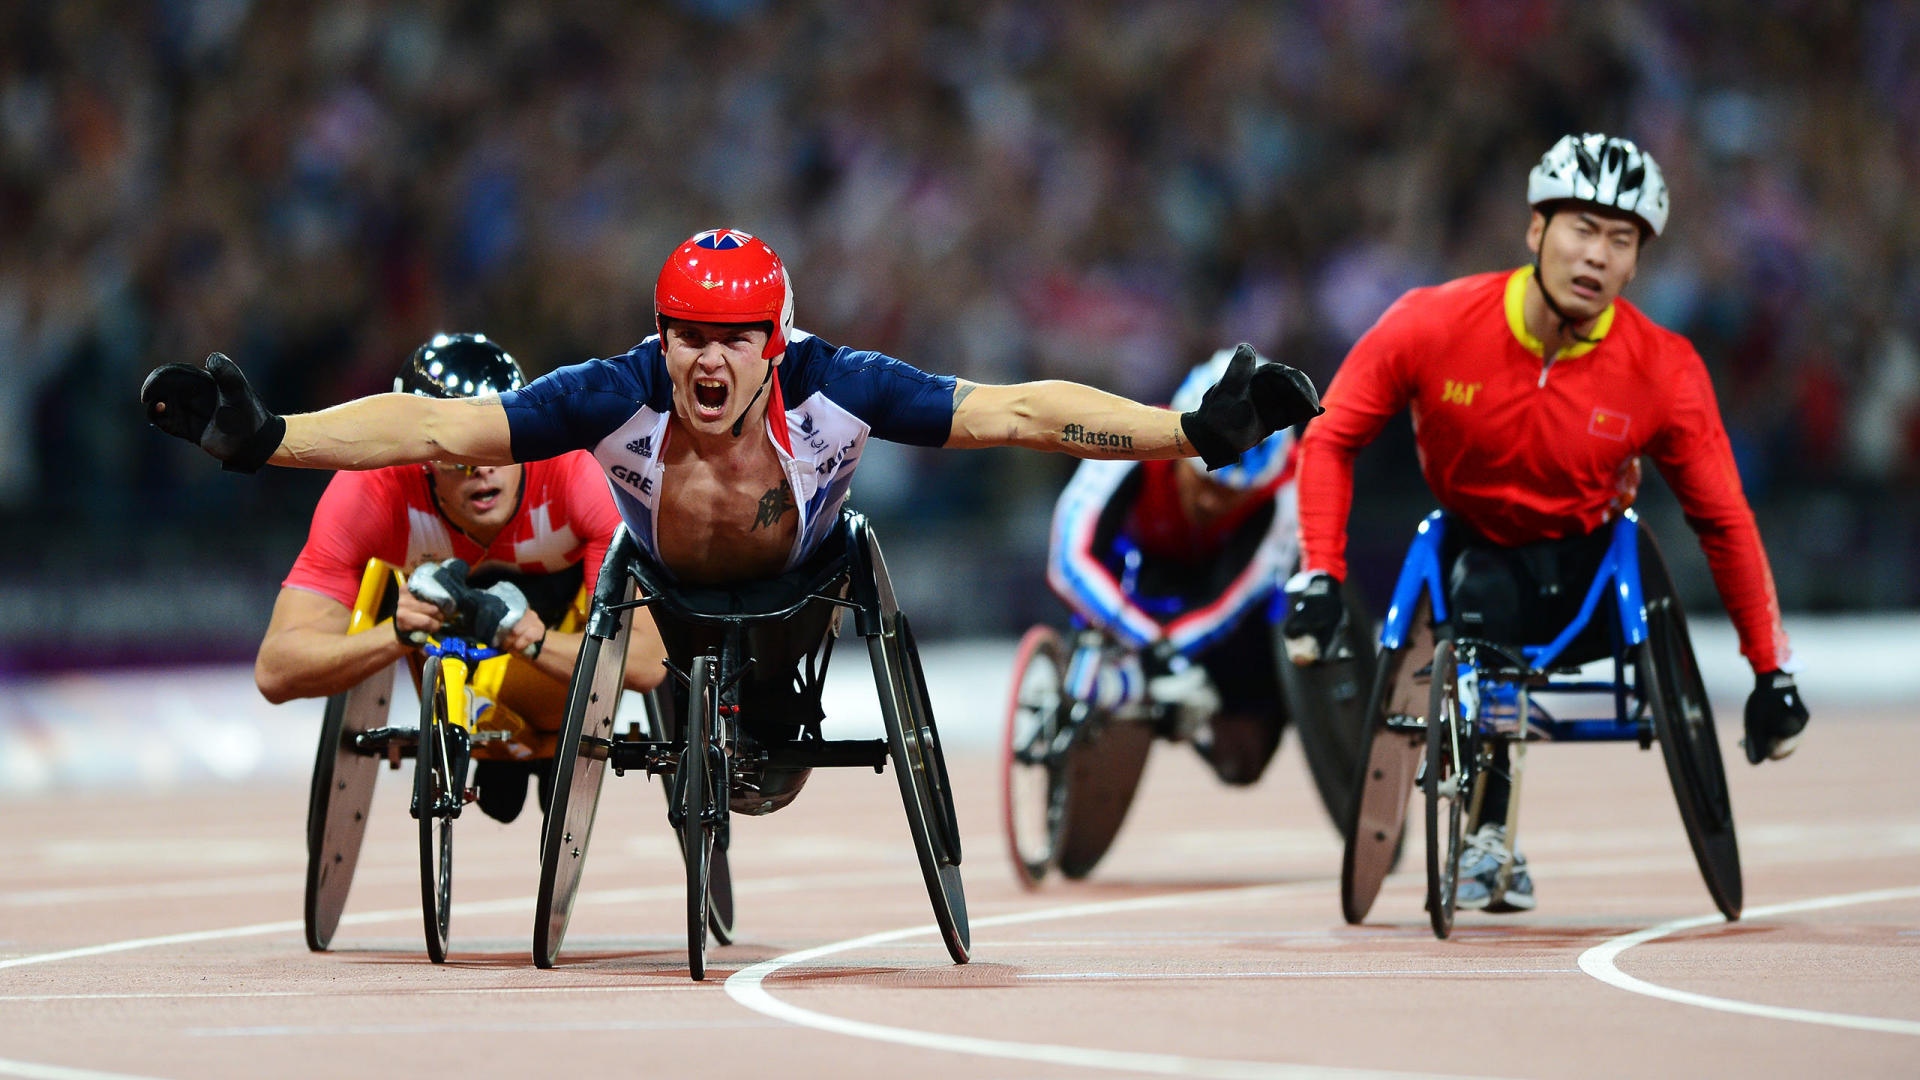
x=1607, y=172
x=1257, y=467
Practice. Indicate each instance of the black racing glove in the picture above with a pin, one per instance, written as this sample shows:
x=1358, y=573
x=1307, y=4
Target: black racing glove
x=1316, y=626
x=482, y=615
x=1776, y=715
x=215, y=409
x=1253, y=399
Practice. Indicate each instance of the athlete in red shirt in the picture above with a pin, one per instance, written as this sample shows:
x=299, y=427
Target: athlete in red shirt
x=1534, y=394
x=545, y=526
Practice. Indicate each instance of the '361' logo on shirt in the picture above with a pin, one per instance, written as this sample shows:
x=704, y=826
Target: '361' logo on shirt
x=1459, y=393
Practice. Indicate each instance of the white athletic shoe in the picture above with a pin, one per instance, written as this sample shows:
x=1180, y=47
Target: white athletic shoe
x=1480, y=873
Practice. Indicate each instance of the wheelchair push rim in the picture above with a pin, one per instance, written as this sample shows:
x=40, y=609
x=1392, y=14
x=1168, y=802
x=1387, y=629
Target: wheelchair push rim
x=1389, y=761
x=913, y=745
x=1448, y=781
x=579, y=766
x=1690, y=746
x=1032, y=794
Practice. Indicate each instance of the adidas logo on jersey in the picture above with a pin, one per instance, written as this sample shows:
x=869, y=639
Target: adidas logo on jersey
x=642, y=446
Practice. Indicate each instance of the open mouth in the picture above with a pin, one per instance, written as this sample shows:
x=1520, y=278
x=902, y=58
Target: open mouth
x=709, y=398
x=1586, y=286
x=484, y=499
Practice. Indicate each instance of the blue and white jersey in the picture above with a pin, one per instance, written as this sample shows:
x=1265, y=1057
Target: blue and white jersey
x=619, y=408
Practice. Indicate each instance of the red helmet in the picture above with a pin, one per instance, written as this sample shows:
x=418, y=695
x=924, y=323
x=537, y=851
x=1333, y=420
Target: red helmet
x=726, y=276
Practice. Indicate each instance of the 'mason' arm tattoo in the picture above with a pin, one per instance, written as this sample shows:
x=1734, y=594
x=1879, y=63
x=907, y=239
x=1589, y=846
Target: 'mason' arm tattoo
x=961, y=388
x=1075, y=433
x=774, y=505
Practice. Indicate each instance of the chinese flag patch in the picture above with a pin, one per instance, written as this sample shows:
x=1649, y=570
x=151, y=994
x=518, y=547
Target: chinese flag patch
x=1609, y=424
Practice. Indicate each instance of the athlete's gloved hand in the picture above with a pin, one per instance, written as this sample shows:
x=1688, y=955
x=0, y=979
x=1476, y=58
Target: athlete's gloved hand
x=1316, y=626
x=1253, y=399
x=1776, y=715
x=215, y=409
x=482, y=615
x=1189, y=694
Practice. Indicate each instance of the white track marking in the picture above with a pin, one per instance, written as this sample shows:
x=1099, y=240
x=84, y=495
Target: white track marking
x=1599, y=963
x=33, y=1071
x=1360, y=974
x=747, y=986
x=471, y=1028
x=469, y=908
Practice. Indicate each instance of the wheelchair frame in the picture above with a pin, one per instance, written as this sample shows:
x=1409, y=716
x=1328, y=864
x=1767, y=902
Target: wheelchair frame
x=700, y=782
x=1446, y=746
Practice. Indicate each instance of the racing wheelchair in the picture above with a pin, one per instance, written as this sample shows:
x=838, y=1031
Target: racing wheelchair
x=459, y=681
x=1441, y=701
x=1072, y=755
x=746, y=664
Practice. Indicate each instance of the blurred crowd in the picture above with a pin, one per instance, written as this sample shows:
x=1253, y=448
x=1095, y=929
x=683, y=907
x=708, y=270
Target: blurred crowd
x=1090, y=190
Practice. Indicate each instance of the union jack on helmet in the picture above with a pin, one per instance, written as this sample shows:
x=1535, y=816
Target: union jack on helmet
x=726, y=276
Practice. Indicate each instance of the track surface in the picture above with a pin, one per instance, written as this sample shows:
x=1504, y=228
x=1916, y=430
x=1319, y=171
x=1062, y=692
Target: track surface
x=159, y=937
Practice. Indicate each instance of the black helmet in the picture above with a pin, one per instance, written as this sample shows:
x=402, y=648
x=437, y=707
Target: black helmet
x=458, y=366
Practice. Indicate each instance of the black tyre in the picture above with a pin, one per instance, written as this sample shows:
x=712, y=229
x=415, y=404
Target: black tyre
x=436, y=795
x=913, y=744
x=1669, y=680
x=1395, y=745
x=1033, y=790
x=337, y=804
x=579, y=765
x=1448, y=781
x=662, y=727
x=693, y=779
x=1327, y=706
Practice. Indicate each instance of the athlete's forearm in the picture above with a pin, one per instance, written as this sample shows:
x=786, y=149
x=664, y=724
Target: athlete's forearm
x=1068, y=418
x=309, y=663
x=397, y=429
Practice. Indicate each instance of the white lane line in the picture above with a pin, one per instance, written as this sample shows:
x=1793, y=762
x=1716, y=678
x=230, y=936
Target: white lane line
x=1599, y=963
x=468, y=908
x=408, y=991
x=748, y=987
x=1360, y=974
x=34, y=1071
x=279, y=1030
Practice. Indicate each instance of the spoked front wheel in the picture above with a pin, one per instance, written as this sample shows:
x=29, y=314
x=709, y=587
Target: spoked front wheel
x=1449, y=778
x=439, y=788
x=1033, y=792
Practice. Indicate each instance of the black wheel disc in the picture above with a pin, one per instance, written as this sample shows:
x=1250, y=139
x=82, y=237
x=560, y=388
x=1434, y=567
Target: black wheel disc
x=1683, y=723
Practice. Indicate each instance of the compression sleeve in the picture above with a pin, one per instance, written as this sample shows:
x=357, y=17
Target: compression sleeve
x=1371, y=387
x=355, y=520
x=573, y=408
x=1076, y=573
x=1693, y=453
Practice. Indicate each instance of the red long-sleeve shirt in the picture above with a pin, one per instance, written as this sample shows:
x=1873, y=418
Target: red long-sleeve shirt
x=1523, y=450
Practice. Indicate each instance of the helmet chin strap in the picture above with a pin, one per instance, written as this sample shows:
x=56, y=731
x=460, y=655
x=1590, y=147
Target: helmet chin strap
x=739, y=423
x=1566, y=322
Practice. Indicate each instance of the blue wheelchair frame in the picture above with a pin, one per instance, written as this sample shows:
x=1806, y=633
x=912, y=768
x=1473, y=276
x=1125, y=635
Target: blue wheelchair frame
x=1619, y=572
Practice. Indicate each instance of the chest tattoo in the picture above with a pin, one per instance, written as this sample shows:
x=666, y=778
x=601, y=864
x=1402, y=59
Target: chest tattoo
x=774, y=505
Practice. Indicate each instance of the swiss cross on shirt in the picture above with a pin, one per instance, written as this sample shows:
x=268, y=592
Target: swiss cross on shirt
x=547, y=549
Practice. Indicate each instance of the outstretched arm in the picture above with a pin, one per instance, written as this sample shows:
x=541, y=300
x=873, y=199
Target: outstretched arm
x=1065, y=417
x=1252, y=400
x=398, y=429
x=213, y=407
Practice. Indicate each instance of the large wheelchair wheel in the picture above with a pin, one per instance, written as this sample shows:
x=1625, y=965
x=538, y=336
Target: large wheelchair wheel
x=693, y=779
x=1104, y=760
x=1669, y=680
x=1033, y=786
x=1449, y=778
x=437, y=796
x=1393, y=748
x=337, y=804
x=920, y=767
x=1327, y=705
x=579, y=765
